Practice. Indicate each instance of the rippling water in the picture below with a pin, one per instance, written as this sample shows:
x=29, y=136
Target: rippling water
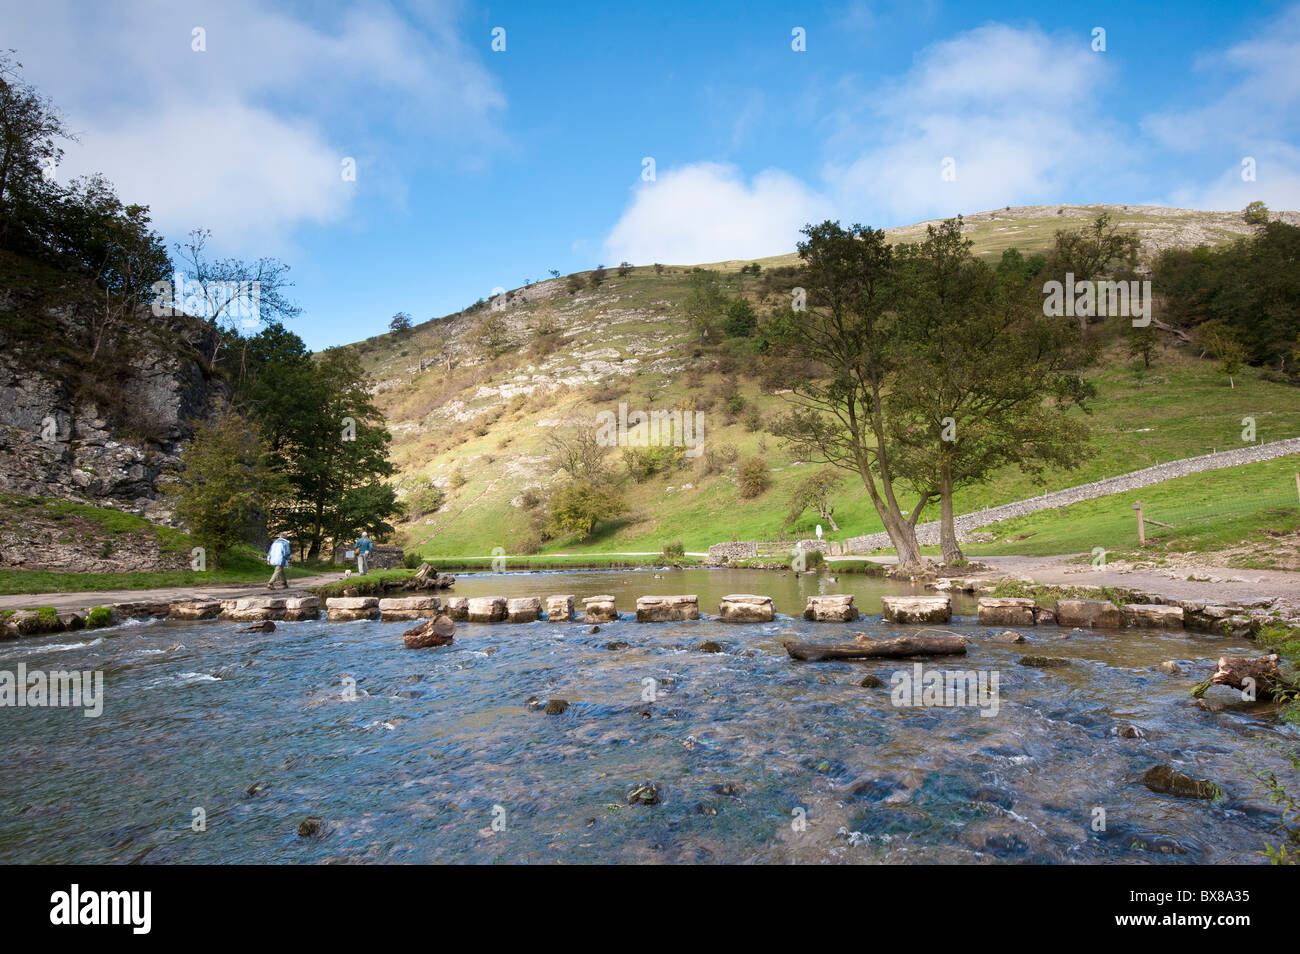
x=438, y=744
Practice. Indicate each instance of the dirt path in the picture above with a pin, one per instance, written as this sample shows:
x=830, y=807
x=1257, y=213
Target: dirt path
x=1211, y=583
x=225, y=591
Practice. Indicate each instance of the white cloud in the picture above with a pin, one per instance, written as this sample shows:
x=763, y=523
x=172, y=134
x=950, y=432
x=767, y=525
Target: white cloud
x=1015, y=109
x=247, y=137
x=1255, y=113
x=707, y=212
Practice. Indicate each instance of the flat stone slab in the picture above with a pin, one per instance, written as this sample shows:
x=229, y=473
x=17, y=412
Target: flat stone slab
x=1153, y=616
x=195, y=609
x=837, y=608
x=301, y=607
x=746, y=608
x=457, y=607
x=1097, y=614
x=1007, y=611
x=667, y=609
x=342, y=609
x=916, y=609
x=599, y=609
x=487, y=609
x=253, y=609
x=559, y=609
x=524, y=609
x=403, y=609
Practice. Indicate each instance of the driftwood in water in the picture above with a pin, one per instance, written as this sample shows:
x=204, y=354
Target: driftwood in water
x=439, y=631
x=946, y=644
x=1258, y=675
x=427, y=578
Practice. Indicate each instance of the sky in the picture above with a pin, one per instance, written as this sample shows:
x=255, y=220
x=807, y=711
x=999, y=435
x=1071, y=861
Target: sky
x=679, y=133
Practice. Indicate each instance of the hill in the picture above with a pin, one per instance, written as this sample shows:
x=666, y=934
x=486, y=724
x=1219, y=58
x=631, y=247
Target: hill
x=475, y=425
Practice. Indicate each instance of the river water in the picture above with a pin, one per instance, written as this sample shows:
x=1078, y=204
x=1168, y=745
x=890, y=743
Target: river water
x=438, y=757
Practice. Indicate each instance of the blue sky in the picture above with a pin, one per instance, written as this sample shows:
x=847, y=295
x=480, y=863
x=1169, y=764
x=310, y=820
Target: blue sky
x=479, y=169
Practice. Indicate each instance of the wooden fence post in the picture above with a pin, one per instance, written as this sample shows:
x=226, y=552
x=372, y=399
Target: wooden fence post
x=1142, y=530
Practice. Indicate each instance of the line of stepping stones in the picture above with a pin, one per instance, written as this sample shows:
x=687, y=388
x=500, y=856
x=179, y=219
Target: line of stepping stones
x=735, y=608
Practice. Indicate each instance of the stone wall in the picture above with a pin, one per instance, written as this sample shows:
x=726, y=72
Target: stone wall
x=928, y=533
x=749, y=550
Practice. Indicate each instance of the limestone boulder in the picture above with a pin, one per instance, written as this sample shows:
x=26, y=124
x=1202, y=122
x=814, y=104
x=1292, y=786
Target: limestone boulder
x=1153, y=616
x=405, y=608
x=916, y=609
x=487, y=609
x=253, y=609
x=667, y=609
x=838, y=608
x=457, y=607
x=301, y=607
x=599, y=609
x=195, y=609
x=524, y=609
x=1006, y=611
x=559, y=609
x=746, y=608
x=1095, y=614
x=344, y=609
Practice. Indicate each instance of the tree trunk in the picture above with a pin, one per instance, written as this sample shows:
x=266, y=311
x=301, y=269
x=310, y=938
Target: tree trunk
x=947, y=530
x=1262, y=672
x=921, y=644
x=826, y=515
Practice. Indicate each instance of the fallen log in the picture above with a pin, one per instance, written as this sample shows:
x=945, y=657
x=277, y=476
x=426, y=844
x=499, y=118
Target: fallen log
x=1257, y=676
x=427, y=578
x=439, y=631
x=863, y=647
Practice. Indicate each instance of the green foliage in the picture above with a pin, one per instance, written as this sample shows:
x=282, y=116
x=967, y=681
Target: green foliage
x=401, y=322
x=1256, y=213
x=425, y=497
x=99, y=616
x=753, y=478
x=741, y=319
x=578, y=506
x=412, y=560
x=1250, y=286
x=643, y=463
x=704, y=304
x=673, y=551
x=48, y=616
x=225, y=485
x=815, y=491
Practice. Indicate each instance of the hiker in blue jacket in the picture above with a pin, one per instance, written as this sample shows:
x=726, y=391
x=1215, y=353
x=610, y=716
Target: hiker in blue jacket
x=364, y=548
x=278, y=557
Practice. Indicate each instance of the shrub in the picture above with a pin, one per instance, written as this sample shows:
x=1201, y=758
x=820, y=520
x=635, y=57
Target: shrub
x=735, y=404
x=529, y=499
x=99, y=616
x=752, y=419
x=642, y=463
x=674, y=550
x=718, y=456
x=458, y=478
x=814, y=559
x=753, y=478
x=412, y=561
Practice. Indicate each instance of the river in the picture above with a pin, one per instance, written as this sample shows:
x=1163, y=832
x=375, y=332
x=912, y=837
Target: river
x=214, y=745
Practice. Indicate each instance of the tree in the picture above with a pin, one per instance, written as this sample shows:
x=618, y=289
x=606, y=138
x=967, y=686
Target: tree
x=624, y=269
x=225, y=485
x=266, y=278
x=1141, y=343
x=325, y=437
x=30, y=128
x=988, y=379
x=554, y=272
x=1256, y=213
x=578, y=506
x=740, y=320
x=847, y=329
x=597, y=277
x=815, y=491
x=1218, y=339
x=579, y=454
x=401, y=322
x=704, y=304
x=1090, y=252
x=492, y=334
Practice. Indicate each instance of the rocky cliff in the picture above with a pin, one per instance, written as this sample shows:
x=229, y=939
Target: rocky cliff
x=108, y=436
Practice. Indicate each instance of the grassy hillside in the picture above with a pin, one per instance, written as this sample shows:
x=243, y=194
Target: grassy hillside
x=478, y=428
